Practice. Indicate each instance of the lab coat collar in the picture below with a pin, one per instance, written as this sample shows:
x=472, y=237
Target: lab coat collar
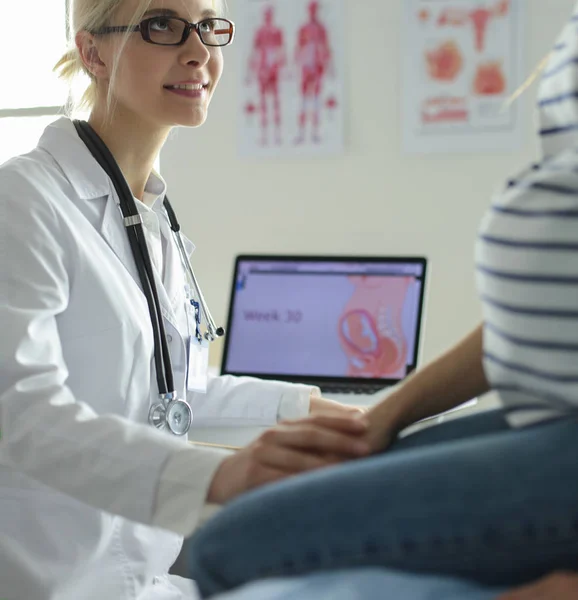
x=156, y=186
x=90, y=182
x=86, y=176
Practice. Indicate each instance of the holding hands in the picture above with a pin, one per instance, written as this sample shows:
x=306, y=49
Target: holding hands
x=293, y=447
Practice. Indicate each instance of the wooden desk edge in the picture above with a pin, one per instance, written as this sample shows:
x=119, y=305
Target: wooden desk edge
x=219, y=446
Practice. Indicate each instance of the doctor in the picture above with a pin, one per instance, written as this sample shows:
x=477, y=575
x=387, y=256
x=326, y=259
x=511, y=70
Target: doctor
x=94, y=499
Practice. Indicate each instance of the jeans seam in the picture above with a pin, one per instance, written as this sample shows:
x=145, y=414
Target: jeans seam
x=498, y=540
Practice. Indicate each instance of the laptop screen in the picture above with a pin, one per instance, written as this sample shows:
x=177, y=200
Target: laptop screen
x=325, y=319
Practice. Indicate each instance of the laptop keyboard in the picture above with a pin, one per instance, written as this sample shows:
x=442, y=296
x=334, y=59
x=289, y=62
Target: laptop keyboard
x=349, y=389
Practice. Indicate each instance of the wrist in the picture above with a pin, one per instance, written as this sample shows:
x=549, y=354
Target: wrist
x=220, y=488
x=395, y=412
x=315, y=400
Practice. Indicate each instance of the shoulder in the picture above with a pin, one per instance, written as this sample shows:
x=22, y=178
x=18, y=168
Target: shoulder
x=534, y=220
x=552, y=182
x=33, y=173
x=30, y=185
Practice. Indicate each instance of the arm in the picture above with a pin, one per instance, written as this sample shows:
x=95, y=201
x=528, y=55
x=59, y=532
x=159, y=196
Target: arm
x=249, y=402
x=328, y=56
x=454, y=378
x=112, y=464
x=49, y=434
x=282, y=53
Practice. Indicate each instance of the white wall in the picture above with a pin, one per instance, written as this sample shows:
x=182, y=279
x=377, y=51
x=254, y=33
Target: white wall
x=372, y=200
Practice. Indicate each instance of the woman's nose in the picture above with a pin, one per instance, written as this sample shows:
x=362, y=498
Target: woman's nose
x=194, y=51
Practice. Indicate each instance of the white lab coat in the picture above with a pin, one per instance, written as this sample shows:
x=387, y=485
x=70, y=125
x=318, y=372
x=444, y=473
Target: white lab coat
x=80, y=467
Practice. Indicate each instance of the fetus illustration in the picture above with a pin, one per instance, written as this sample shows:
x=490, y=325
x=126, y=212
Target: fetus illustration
x=370, y=328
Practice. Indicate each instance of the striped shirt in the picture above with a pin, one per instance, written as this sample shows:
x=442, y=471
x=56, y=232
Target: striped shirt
x=527, y=260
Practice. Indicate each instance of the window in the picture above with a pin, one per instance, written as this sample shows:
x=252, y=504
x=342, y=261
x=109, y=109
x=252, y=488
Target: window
x=31, y=95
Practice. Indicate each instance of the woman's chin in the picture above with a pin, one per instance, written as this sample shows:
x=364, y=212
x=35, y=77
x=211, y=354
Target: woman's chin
x=194, y=119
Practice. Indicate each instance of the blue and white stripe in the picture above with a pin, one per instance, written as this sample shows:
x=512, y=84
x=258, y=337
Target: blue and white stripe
x=527, y=259
x=557, y=98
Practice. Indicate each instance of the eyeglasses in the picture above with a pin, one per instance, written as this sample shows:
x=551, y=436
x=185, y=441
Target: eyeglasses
x=174, y=31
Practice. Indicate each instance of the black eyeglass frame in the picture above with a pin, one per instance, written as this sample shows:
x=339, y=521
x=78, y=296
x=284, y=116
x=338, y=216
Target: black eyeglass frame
x=143, y=29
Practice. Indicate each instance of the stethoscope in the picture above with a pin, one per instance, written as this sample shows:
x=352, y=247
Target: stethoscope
x=170, y=412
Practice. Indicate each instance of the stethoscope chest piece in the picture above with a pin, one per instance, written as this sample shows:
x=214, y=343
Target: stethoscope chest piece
x=171, y=413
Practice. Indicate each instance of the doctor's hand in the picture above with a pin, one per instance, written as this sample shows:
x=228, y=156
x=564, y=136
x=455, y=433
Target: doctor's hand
x=322, y=406
x=558, y=586
x=291, y=448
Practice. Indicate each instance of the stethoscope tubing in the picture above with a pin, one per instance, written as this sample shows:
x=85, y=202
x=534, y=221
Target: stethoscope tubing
x=212, y=330
x=135, y=232
x=133, y=224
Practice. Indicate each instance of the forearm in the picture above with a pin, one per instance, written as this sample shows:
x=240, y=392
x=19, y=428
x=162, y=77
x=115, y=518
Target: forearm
x=248, y=402
x=453, y=378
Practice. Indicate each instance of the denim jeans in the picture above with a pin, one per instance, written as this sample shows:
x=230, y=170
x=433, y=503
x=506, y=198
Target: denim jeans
x=363, y=584
x=470, y=498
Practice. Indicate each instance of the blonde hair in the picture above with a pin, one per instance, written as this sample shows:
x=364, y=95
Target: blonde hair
x=91, y=15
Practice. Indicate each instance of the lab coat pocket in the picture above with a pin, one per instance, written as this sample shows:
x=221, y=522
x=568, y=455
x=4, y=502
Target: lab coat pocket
x=103, y=365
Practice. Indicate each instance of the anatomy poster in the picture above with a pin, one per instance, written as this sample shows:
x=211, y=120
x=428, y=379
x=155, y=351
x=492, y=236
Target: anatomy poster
x=463, y=61
x=291, y=77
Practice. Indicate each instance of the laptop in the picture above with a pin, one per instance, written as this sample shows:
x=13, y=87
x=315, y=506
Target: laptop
x=349, y=325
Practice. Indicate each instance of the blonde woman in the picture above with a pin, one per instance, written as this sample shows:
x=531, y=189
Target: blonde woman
x=94, y=501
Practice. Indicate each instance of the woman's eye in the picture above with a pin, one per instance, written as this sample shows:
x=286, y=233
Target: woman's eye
x=160, y=24
x=208, y=26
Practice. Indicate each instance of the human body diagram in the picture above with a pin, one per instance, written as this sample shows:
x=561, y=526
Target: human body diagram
x=289, y=69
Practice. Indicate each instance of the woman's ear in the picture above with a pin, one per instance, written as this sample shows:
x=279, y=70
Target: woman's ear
x=90, y=55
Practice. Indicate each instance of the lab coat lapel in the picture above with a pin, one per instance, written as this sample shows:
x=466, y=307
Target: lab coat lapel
x=96, y=197
x=115, y=235
x=113, y=232
x=174, y=276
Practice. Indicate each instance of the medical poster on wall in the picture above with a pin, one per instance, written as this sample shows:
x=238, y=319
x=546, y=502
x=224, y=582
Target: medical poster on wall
x=463, y=59
x=291, y=96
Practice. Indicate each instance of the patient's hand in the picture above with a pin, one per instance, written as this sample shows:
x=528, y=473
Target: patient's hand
x=558, y=586
x=291, y=448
